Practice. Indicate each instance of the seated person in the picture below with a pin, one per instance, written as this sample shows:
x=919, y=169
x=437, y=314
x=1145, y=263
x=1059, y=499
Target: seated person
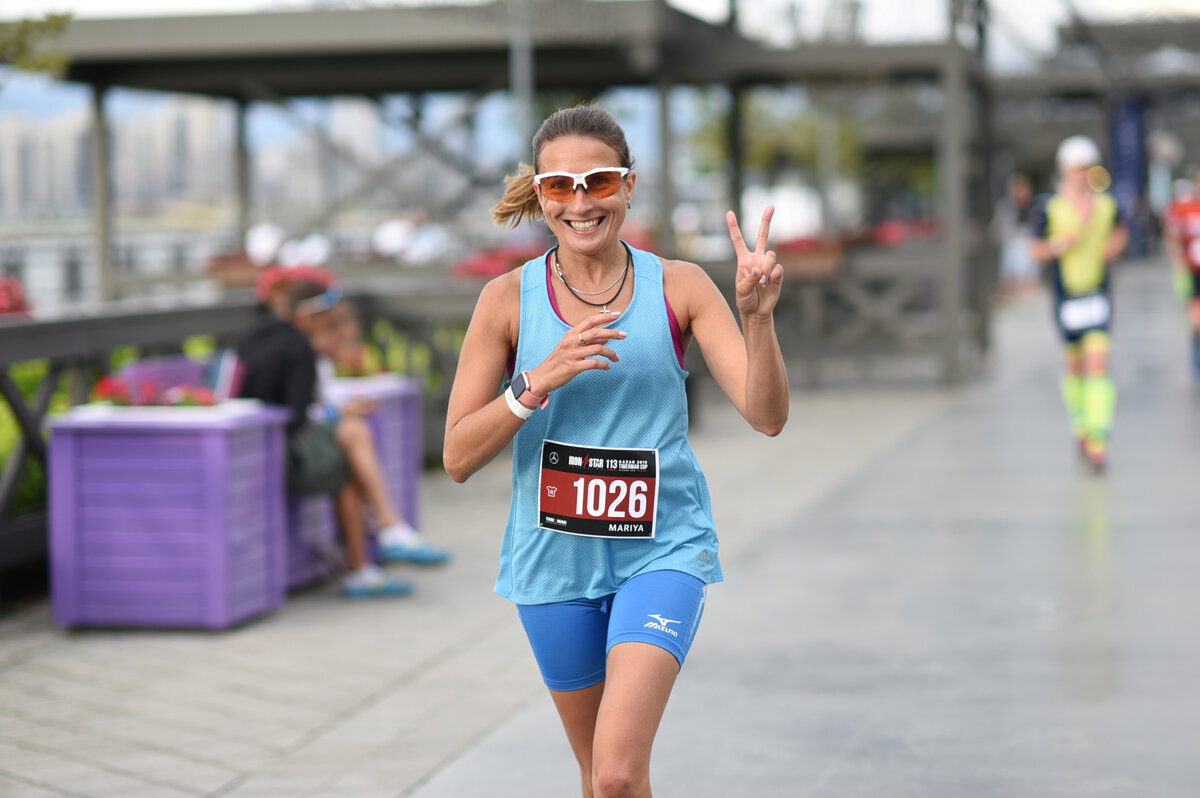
x=281, y=368
x=332, y=334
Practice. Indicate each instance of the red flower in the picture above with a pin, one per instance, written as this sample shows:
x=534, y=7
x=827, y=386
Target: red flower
x=104, y=387
x=12, y=296
x=111, y=389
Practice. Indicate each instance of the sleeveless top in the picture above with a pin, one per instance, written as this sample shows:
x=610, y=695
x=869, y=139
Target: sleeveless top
x=639, y=403
x=1081, y=269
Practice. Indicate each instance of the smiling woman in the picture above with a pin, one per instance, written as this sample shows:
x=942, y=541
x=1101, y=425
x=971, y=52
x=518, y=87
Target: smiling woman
x=610, y=543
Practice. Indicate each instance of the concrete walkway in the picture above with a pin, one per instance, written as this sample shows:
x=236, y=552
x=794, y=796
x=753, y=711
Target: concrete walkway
x=926, y=596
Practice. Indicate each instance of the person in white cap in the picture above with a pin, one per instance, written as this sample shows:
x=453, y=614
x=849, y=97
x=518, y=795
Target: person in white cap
x=1078, y=232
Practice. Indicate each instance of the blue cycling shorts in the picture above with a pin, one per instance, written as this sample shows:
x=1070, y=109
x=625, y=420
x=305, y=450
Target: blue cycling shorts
x=571, y=639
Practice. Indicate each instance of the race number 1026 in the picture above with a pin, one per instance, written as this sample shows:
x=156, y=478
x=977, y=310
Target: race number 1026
x=598, y=491
x=611, y=498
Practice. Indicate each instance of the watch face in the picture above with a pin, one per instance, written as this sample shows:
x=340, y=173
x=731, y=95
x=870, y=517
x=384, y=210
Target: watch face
x=518, y=385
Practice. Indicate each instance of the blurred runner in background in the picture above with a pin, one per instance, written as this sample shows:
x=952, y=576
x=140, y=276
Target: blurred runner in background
x=1078, y=232
x=1182, y=232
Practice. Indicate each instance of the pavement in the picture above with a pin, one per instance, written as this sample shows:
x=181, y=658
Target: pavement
x=926, y=595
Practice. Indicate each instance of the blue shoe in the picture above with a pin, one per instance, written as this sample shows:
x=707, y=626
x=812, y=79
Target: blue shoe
x=419, y=553
x=371, y=583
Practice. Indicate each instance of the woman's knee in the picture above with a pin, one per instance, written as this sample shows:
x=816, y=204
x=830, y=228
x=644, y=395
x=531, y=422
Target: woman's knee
x=352, y=431
x=1095, y=355
x=616, y=779
x=1096, y=365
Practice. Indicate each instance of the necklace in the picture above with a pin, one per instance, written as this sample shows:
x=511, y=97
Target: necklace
x=603, y=305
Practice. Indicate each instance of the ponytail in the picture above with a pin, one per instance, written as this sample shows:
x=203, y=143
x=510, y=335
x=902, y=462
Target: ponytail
x=520, y=199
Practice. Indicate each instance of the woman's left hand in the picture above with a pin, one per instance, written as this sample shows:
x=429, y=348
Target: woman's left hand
x=759, y=277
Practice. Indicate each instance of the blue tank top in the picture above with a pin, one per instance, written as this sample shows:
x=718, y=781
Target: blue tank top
x=639, y=403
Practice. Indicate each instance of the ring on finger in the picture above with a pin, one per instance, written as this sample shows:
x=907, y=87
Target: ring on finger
x=580, y=337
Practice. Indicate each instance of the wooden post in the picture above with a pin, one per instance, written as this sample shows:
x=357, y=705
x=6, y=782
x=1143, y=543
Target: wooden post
x=666, y=200
x=951, y=168
x=241, y=173
x=520, y=68
x=102, y=221
x=737, y=145
x=987, y=256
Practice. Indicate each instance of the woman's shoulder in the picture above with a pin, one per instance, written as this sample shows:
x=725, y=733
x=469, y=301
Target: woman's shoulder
x=502, y=288
x=688, y=288
x=684, y=274
x=682, y=269
x=499, y=305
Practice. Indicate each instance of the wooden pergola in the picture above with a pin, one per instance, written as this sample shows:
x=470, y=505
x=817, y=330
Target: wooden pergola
x=573, y=45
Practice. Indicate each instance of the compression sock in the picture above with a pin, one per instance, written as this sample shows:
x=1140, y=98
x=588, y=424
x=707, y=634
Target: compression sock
x=1072, y=392
x=1099, y=404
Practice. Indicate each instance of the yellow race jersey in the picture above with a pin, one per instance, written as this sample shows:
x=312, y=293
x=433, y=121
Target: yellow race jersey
x=1082, y=267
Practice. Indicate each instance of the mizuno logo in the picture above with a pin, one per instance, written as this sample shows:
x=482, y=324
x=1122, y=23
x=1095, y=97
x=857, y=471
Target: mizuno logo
x=660, y=624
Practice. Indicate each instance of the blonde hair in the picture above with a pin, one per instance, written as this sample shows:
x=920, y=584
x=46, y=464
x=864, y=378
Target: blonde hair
x=520, y=199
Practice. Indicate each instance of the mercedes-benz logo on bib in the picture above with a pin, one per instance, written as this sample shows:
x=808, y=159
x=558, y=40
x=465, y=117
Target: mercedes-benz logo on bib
x=554, y=457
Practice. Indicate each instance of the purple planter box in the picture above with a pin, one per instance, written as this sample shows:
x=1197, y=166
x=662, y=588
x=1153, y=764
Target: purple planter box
x=166, y=517
x=311, y=525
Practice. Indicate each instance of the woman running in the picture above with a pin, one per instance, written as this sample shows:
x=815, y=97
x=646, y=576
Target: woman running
x=610, y=541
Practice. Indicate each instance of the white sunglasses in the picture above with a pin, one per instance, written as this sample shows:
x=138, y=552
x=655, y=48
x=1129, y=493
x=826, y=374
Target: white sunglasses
x=598, y=183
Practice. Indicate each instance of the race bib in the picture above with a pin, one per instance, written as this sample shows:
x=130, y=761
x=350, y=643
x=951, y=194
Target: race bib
x=598, y=491
x=1084, y=312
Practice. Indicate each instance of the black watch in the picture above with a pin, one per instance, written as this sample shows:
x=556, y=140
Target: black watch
x=520, y=391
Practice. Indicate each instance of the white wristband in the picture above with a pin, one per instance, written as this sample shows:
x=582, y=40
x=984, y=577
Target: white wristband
x=519, y=410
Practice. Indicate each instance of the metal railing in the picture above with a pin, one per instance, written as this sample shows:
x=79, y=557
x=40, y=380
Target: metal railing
x=424, y=314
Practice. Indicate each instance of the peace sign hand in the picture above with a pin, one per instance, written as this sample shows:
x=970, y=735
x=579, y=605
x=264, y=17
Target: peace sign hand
x=759, y=277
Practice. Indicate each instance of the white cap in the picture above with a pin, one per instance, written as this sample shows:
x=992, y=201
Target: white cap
x=1077, y=151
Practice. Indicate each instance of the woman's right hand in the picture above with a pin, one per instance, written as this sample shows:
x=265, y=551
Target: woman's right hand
x=576, y=353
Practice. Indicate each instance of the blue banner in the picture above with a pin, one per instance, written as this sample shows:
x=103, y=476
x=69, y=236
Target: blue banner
x=1128, y=169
